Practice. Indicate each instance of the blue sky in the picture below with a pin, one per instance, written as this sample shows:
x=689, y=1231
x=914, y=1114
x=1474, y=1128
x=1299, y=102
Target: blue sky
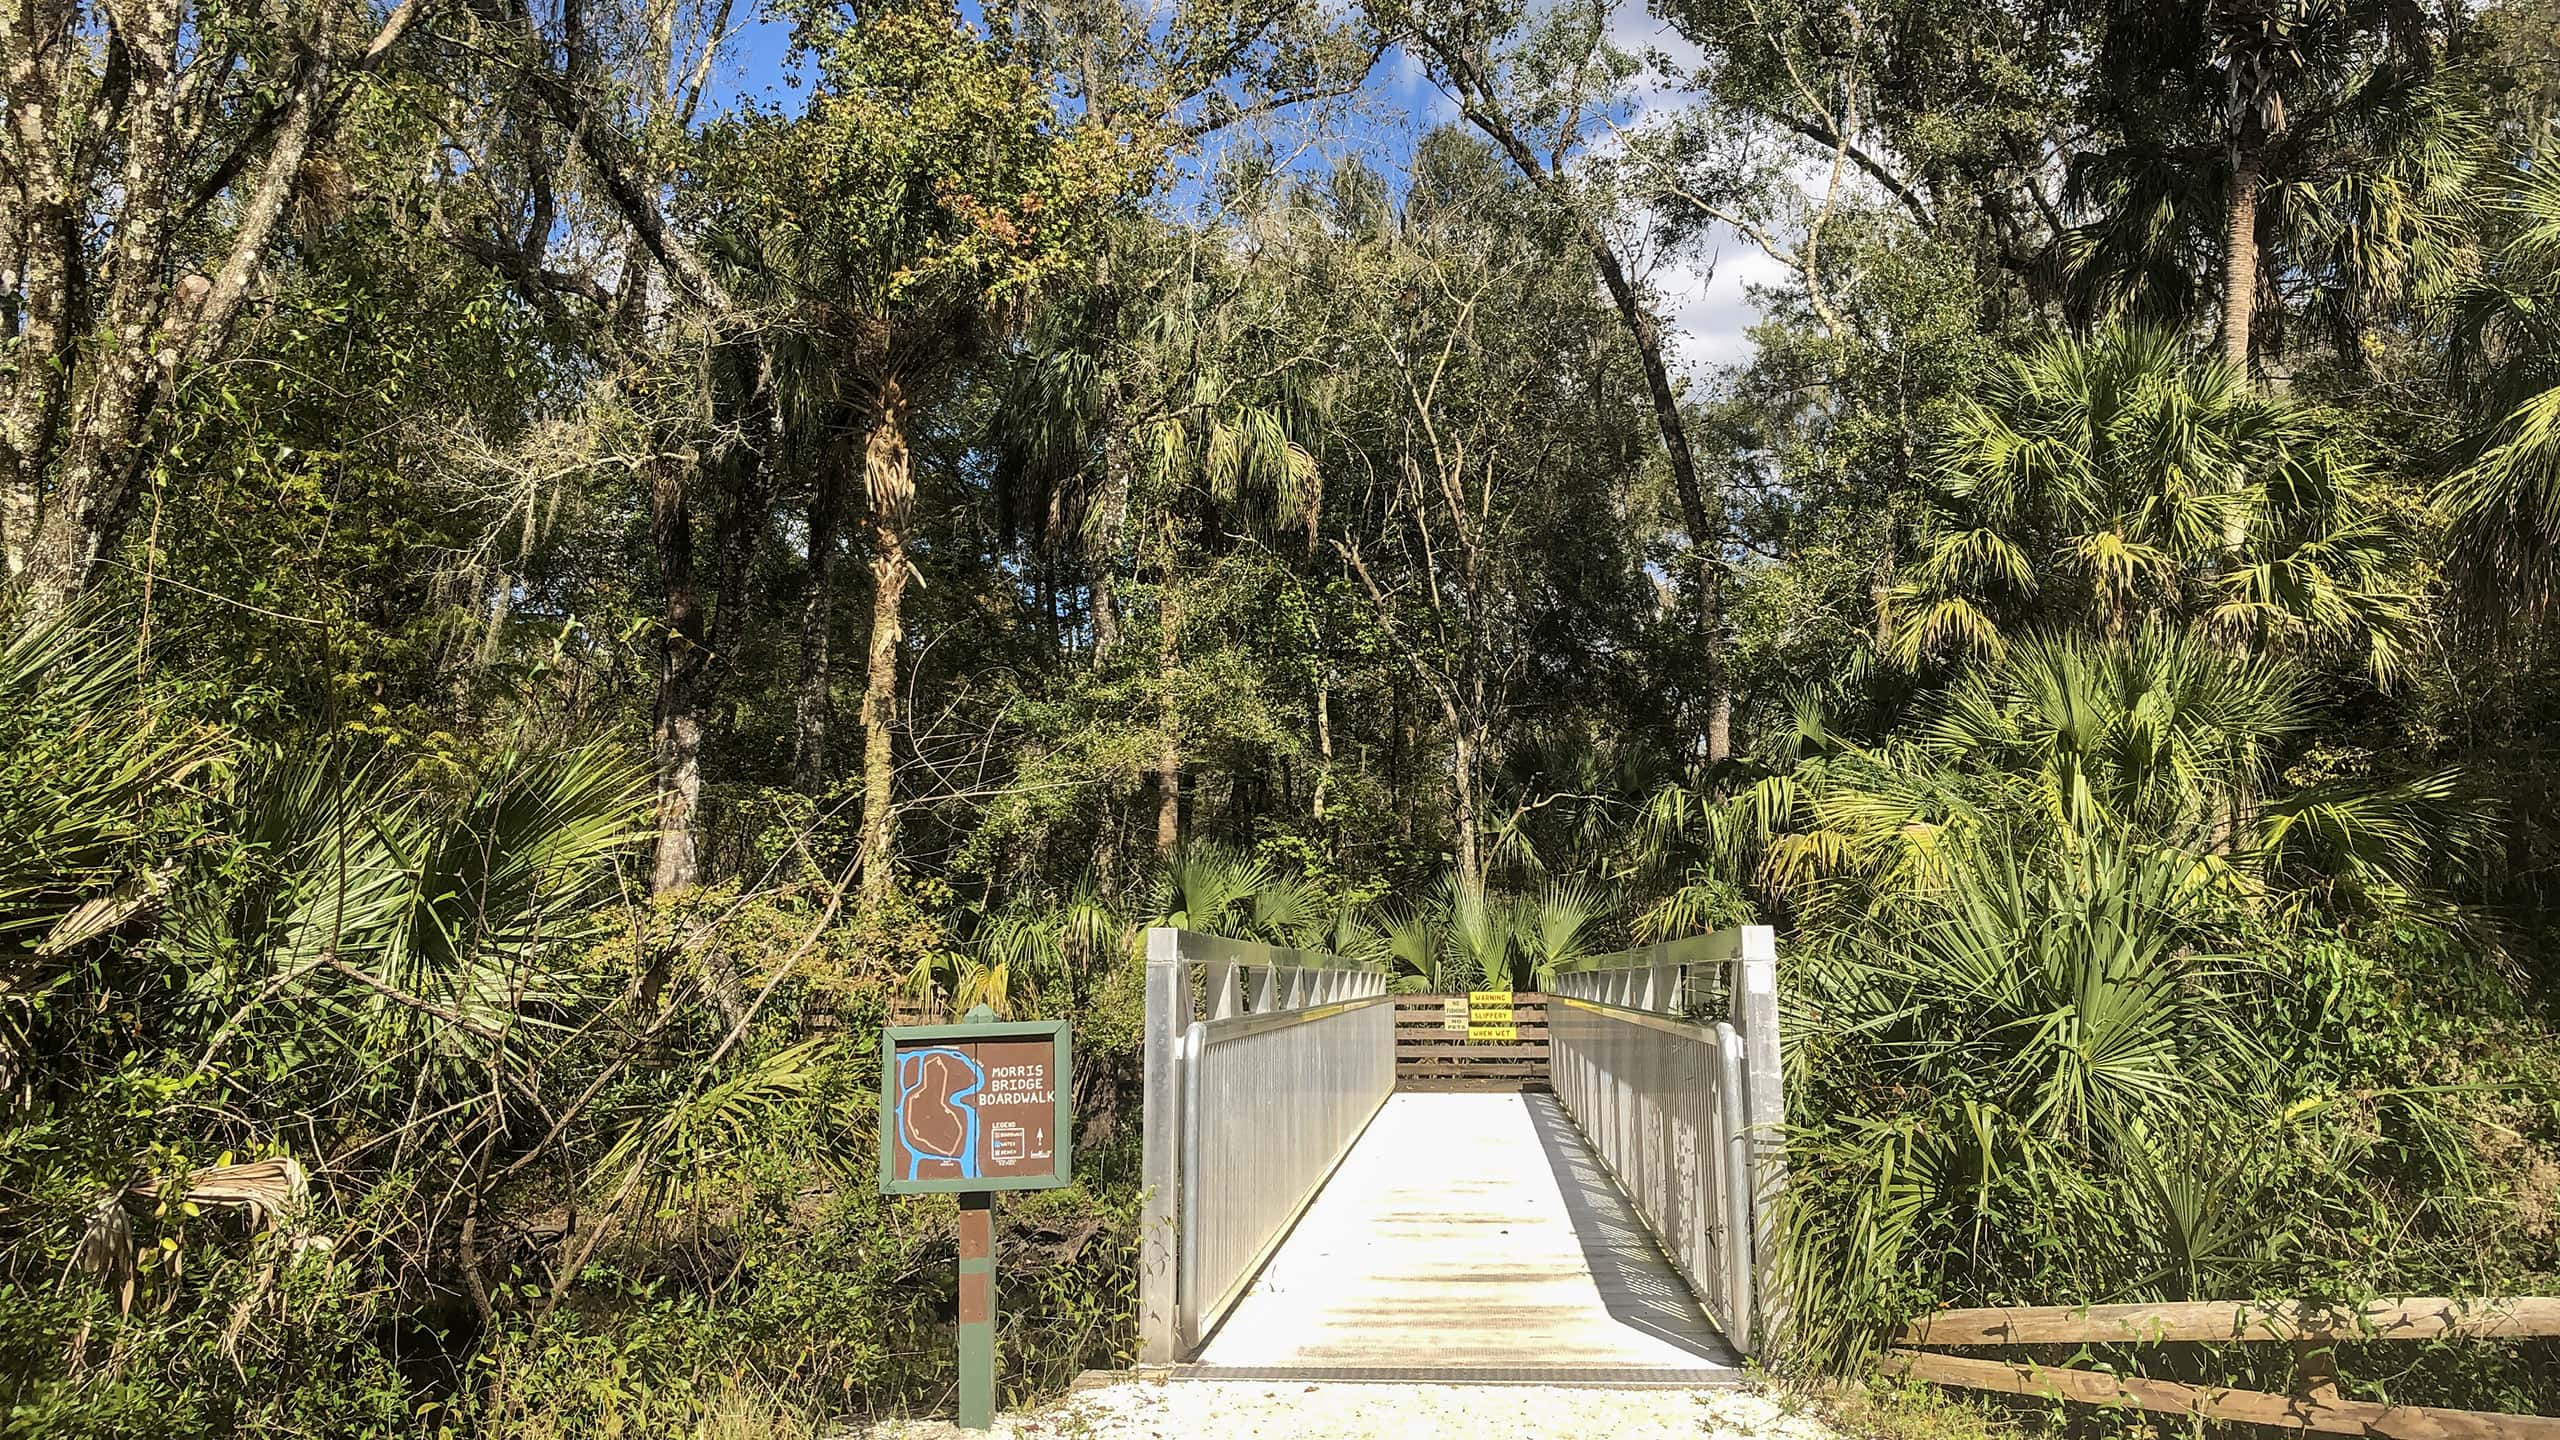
x=1706, y=308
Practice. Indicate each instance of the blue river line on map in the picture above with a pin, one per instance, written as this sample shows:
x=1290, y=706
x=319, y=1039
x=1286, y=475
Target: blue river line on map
x=910, y=1080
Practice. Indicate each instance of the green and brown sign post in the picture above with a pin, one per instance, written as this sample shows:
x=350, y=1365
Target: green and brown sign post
x=968, y=1110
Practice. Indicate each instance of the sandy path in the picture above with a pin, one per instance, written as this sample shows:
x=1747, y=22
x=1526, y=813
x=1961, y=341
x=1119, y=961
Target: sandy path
x=1216, y=1409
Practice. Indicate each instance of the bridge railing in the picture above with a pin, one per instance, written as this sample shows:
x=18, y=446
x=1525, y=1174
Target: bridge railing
x=1263, y=1065
x=1667, y=1059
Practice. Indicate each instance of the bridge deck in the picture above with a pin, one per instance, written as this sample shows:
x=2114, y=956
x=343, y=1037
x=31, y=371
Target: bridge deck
x=1470, y=1232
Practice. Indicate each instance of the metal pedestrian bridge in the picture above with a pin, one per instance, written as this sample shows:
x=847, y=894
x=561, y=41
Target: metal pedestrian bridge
x=1305, y=1219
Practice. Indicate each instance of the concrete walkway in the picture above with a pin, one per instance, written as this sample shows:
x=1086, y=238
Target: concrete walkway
x=1260, y=1410
x=1469, y=1236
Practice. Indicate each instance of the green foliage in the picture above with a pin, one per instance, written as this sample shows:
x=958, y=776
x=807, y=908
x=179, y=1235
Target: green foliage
x=925, y=173
x=2103, y=480
x=2503, y=508
x=2146, y=747
x=87, y=758
x=2092, y=1074
x=848, y=1310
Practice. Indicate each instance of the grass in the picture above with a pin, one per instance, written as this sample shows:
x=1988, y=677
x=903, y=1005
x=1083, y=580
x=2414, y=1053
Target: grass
x=1877, y=1410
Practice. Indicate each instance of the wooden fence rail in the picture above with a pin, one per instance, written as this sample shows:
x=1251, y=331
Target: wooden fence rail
x=2312, y=1328
x=2243, y=1320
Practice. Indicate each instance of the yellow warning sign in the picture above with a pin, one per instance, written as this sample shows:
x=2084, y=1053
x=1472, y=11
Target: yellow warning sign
x=1490, y=1017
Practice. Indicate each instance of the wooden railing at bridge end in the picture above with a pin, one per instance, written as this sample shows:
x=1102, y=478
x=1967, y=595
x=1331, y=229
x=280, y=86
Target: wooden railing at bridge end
x=2314, y=1330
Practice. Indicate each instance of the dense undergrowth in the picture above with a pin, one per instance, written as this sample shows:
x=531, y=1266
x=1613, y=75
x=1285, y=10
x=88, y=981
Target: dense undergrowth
x=342, y=1106
x=543, y=598
x=346, y=1106
x=2092, y=1089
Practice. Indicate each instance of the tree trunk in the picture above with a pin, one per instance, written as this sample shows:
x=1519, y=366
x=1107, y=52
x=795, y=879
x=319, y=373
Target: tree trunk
x=677, y=740
x=89, y=386
x=888, y=474
x=817, y=616
x=1106, y=617
x=1106, y=549
x=1399, y=764
x=1106, y=850
x=743, y=514
x=1462, y=805
x=1324, y=737
x=1169, y=756
x=1712, y=682
x=85, y=518
x=493, y=626
x=46, y=321
x=2240, y=264
x=1880, y=591
x=1705, y=521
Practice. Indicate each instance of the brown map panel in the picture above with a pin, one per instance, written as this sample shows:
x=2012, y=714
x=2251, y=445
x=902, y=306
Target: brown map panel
x=976, y=1109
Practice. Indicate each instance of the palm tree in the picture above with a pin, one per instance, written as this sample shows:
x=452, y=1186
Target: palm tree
x=2050, y=1025
x=2065, y=739
x=2259, y=52
x=1558, y=925
x=1136, y=436
x=1827, y=822
x=380, y=896
x=1210, y=889
x=1231, y=456
x=1478, y=943
x=1410, y=939
x=85, y=756
x=2302, y=138
x=1031, y=948
x=909, y=216
x=2100, y=481
x=2158, y=731
x=2504, y=505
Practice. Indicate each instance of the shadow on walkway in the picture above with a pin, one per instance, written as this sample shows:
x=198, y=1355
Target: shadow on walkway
x=1637, y=1284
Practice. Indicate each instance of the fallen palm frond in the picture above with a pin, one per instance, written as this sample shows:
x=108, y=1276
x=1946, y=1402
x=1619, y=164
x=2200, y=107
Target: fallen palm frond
x=261, y=1190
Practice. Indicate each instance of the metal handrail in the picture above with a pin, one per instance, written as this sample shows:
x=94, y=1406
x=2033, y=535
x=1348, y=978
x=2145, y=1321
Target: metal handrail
x=1218, y=1012
x=1713, y=947
x=1237, y=1027
x=1264, y=1064
x=1199, y=946
x=1236, y=1213
x=1655, y=1061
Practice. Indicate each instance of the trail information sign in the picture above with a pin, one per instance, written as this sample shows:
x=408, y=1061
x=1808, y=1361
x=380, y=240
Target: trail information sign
x=974, y=1107
x=1490, y=1016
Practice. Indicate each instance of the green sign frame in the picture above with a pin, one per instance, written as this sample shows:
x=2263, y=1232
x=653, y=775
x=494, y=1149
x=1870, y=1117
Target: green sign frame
x=1061, y=1173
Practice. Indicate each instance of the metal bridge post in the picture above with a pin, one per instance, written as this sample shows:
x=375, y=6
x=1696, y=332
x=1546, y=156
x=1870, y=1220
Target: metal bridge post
x=1687, y=1113
x=1755, y=1014
x=1252, y=1096
x=1168, y=1016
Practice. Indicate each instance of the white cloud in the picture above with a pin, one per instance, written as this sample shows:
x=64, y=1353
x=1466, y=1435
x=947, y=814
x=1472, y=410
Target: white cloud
x=1702, y=292
x=1706, y=304
x=1634, y=28
x=1409, y=87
